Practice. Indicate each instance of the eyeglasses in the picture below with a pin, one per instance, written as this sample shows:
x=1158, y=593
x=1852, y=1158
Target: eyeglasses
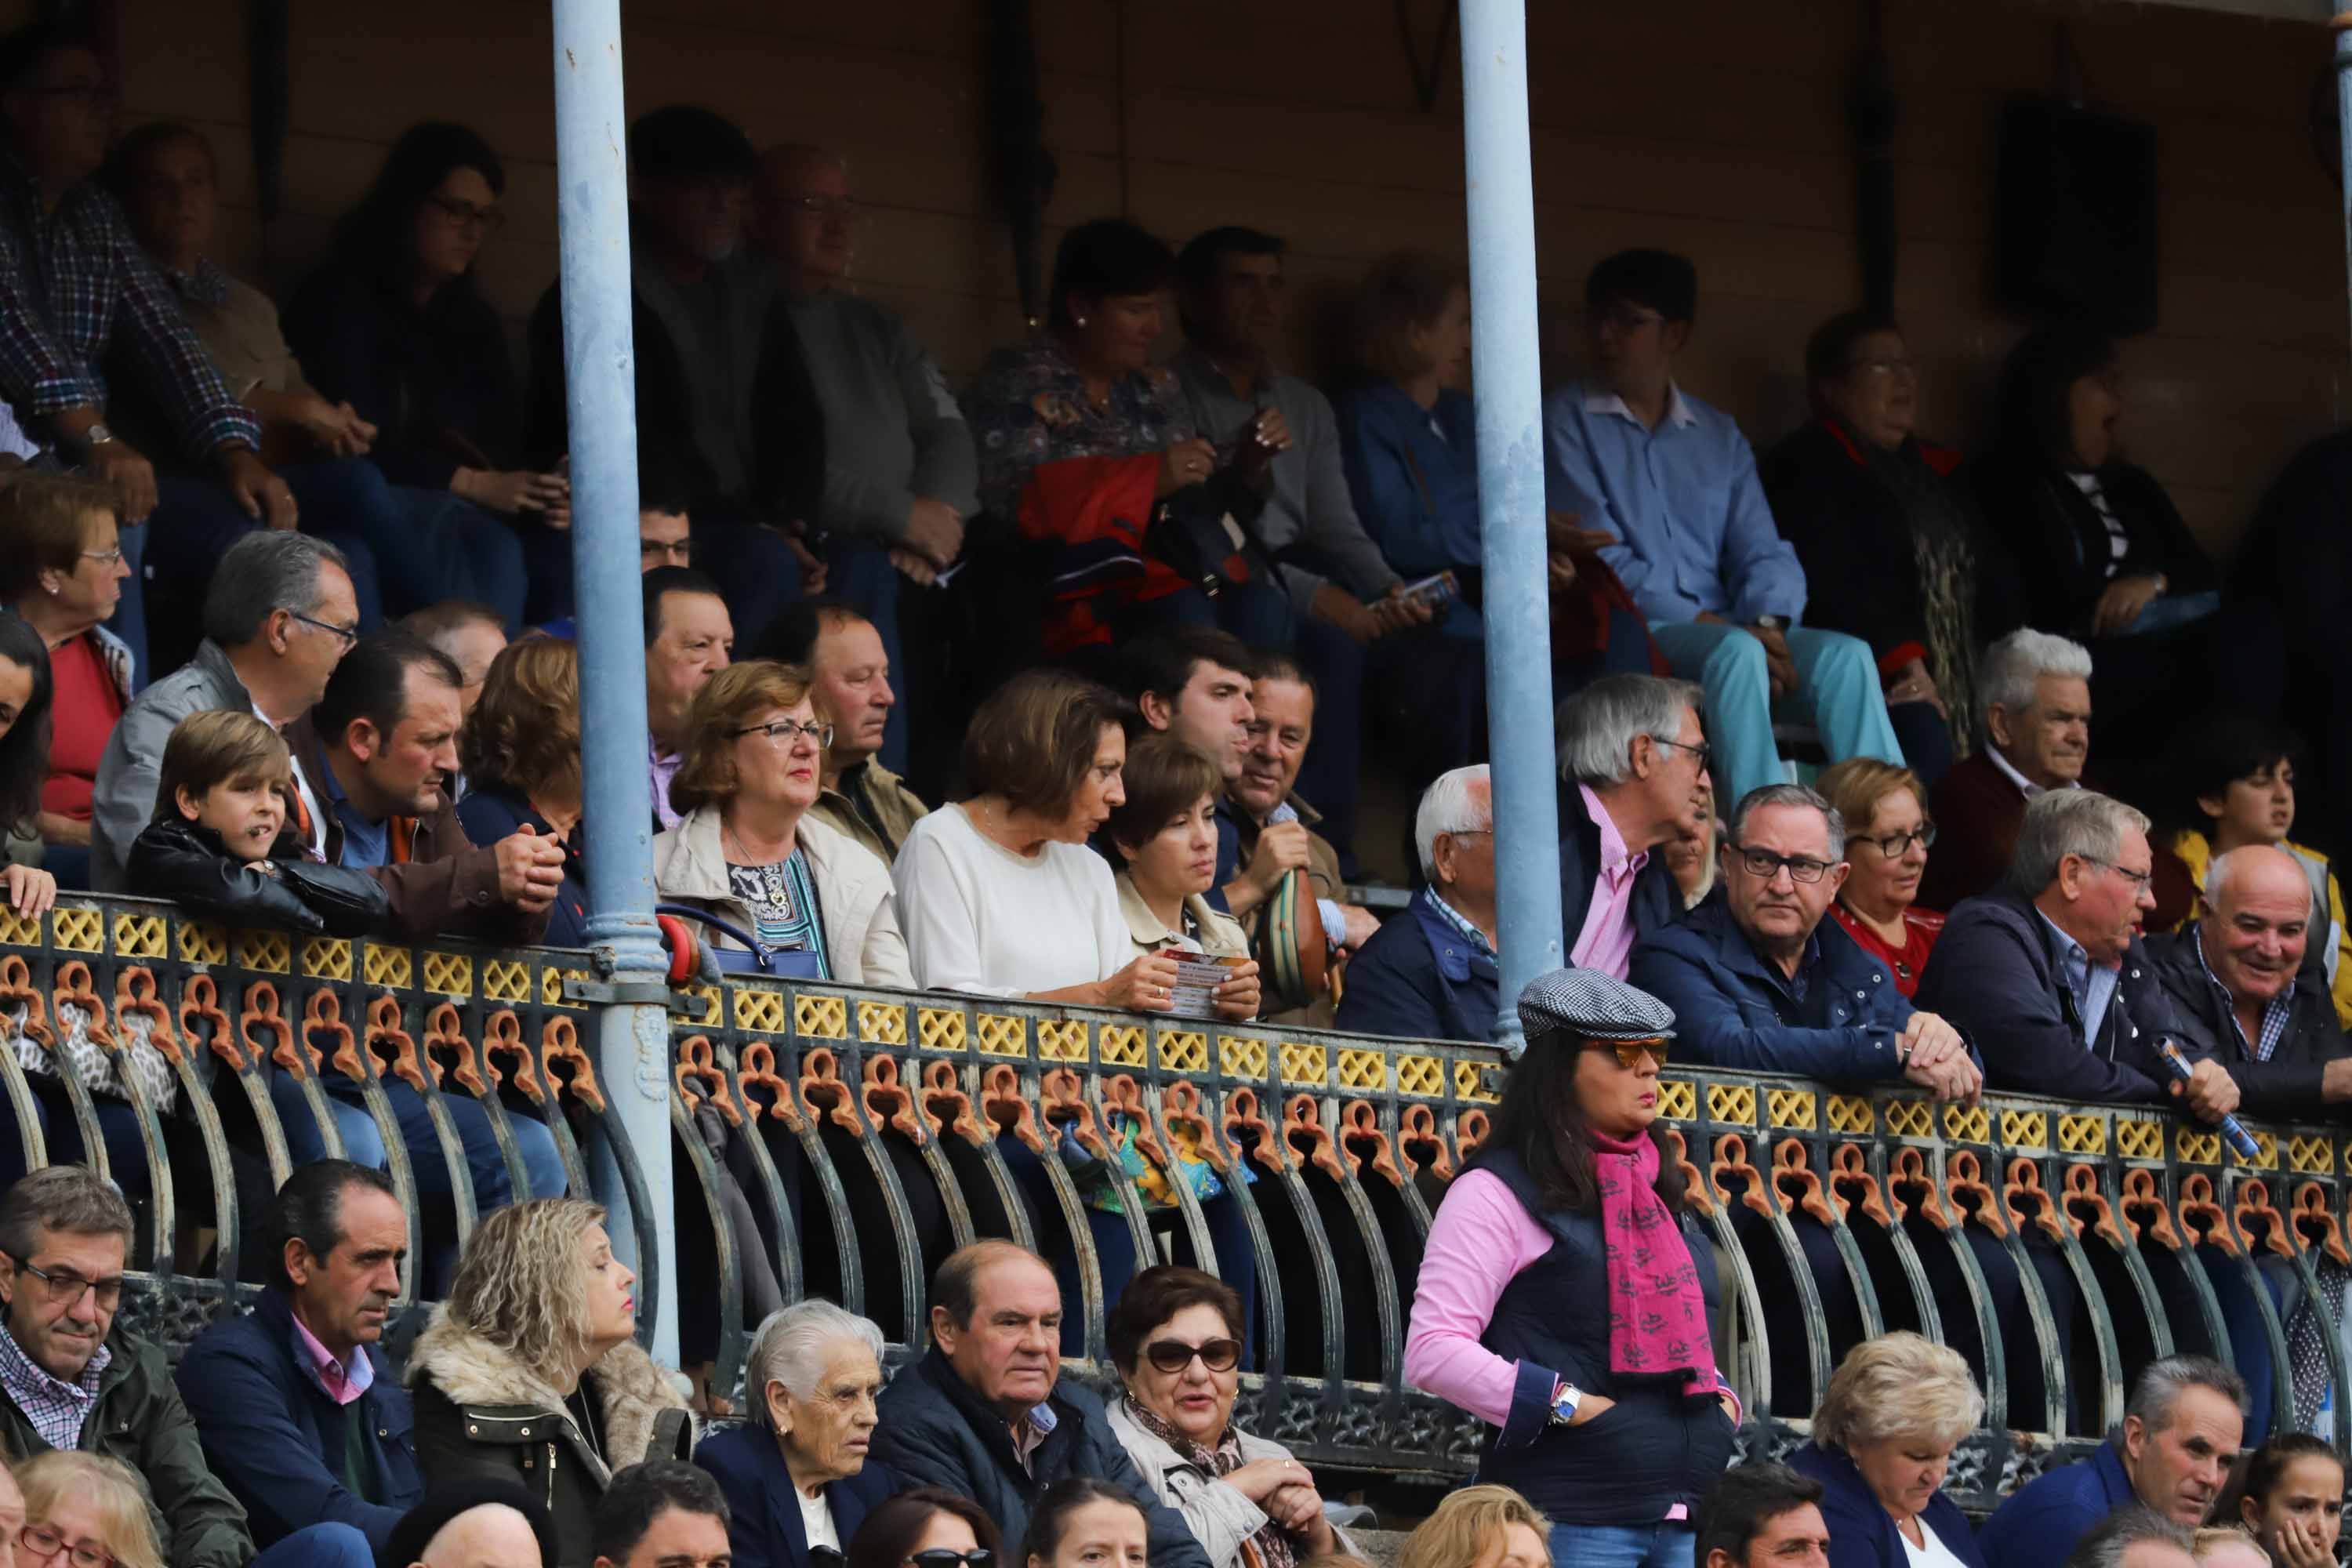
x=85, y=93
x=66, y=1288
x=1631, y=319
x=677, y=551
x=1903, y=365
x=1175, y=1355
x=348, y=633
x=466, y=214
x=1763, y=865
x=43, y=1542
x=1700, y=752
x=1631, y=1052
x=781, y=730
x=2137, y=878
x=1895, y=843
x=822, y=207
x=941, y=1557
x=110, y=557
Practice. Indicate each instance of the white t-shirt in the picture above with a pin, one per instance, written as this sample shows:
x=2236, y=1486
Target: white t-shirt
x=983, y=920
x=817, y=1520
x=1935, y=1554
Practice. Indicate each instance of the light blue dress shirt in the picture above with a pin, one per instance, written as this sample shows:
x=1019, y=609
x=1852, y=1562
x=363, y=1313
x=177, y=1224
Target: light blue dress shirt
x=2094, y=984
x=1696, y=535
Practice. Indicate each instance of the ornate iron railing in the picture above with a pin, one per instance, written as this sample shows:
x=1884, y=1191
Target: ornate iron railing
x=871, y=1132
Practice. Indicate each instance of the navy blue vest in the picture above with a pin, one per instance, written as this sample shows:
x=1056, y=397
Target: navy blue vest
x=1630, y=1463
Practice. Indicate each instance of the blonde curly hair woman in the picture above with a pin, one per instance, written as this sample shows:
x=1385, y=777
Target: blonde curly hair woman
x=530, y=1372
x=78, y=1502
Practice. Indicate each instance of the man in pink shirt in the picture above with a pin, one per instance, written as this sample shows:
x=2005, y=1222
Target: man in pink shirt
x=1632, y=764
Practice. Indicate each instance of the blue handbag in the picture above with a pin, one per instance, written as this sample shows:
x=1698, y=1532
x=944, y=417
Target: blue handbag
x=753, y=957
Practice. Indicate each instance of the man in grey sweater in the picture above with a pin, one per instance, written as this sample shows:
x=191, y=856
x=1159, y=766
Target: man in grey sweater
x=900, y=472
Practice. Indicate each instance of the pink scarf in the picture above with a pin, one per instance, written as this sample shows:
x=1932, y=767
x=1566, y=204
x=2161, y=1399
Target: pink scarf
x=1657, y=1315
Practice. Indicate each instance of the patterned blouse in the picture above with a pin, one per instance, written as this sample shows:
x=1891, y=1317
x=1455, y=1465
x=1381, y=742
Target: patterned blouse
x=1030, y=408
x=784, y=904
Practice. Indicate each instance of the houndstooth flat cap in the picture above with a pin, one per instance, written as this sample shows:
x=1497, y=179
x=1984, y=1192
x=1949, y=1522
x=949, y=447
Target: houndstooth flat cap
x=1591, y=1005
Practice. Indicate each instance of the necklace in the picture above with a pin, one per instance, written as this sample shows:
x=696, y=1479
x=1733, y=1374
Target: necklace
x=748, y=857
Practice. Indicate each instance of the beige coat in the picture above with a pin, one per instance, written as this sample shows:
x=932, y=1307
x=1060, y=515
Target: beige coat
x=862, y=940
x=1220, y=934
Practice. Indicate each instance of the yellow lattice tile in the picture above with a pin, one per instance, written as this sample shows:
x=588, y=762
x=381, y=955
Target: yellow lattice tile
x=1470, y=1085
x=1121, y=1045
x=2025, y=1128
x=266, y=949
x=1361, y=1069
x=452, y=975
x=1792, y=1107
x=1910, y=1119
x=1852, y=1114
x=506, y=980
x=19, y=931
x=551, y=986
x=1184, y=1050
x=1967, y=1123
x=1420, y=1075
x=1005, y=1035
x=2139, y=1138
x=327, y=958
x=1734, y=1102
x=1241, y=1057
x=882, y=1022
x=78, y=931
x=200, y=941
x=2082, y=1134
x=704, y=999
x=393, y=967
x=821, y=1018
x=1677, y=1099
x=939, y=1029
x=135, y=936
x=2309, y=1157
x=2265, y=1151
x=2196, y=1148
x=758, y=1007
x=1305, y=1065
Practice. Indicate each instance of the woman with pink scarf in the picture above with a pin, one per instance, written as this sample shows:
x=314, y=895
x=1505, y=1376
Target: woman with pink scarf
x=1566, y=1291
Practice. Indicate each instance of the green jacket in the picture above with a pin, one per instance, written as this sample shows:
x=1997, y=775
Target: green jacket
x=138, y=1418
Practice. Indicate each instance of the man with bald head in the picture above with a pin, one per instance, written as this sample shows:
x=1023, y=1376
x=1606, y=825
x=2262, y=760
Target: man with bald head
x=2243, y=992
x=479, y=1522
x=900, y=471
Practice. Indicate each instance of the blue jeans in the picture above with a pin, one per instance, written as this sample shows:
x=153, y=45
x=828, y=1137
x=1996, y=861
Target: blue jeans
x=363, y=1144
x=1837, y=690
x=195, y=523
x=429, y=545
x=320, y=1546
x=1660, y=1545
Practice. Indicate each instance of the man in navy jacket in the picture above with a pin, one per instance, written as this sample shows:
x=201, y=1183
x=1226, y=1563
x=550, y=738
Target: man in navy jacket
x=1431, y=973
x=1758, y=981
x=1633, y=777
x=297, y=1413
x=2048, y=974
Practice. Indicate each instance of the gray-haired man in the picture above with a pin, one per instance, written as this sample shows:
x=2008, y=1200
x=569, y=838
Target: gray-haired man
x=2037, y=692
x=279, y=618
x=1632, y=776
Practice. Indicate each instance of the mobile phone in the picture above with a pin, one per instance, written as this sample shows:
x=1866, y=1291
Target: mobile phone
x=1433, y=592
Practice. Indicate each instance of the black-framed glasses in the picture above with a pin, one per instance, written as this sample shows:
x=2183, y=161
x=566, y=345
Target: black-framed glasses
x=466, y=214
x=349, y=634
x=1763, y=865
x=1893, y=844
x=66, y=1288
x=1701, y=751
x=782, y=731
x=1631, y=1052
x=1175, y=1355
x=44, y=1543
x=674, y=552
x=2137, y=878
x=941, y=1557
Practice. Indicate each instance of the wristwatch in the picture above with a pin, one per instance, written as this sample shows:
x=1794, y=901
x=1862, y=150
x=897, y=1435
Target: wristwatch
x=1772, y=623
x=1564, y=1401
x=95, y=436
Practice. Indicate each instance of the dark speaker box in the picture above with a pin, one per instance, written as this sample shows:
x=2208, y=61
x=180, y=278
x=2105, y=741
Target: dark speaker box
x=2075, y=228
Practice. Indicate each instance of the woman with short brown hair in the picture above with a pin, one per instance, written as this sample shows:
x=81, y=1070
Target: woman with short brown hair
x=746, y=850
x=1000, y=895
x=1888, y=833
x=520, y=749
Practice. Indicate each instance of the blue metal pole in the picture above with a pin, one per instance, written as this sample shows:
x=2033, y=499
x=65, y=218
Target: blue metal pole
x=1509, y=376
x=600, y=392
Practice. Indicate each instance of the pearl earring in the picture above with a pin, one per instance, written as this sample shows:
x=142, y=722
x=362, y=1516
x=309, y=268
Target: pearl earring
x=1081, y=320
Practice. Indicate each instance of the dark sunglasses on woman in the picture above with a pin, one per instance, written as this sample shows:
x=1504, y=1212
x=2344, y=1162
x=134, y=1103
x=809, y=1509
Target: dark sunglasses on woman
x=1175, y=1355
x=941, y=1557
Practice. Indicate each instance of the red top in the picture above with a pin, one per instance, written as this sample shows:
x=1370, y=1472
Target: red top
x=81, y=716
x=1921, y=926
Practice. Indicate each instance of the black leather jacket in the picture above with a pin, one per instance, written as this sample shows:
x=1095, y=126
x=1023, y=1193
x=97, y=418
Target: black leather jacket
x=176, y=859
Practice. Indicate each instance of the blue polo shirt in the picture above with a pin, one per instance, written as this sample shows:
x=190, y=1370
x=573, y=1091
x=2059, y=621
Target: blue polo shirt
x=366, y=845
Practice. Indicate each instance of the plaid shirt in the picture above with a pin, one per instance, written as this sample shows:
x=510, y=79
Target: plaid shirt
x=2276, y=1011
x=73, y=280
x=55, y=1409
x=1462, y=924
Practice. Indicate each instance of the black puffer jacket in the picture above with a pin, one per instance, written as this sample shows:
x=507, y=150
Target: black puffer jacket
x=176, y=859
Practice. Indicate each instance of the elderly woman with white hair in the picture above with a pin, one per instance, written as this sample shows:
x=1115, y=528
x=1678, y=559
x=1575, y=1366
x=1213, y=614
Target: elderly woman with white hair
x=1883, y=1436
x=1430, y=974
x=796, y=1477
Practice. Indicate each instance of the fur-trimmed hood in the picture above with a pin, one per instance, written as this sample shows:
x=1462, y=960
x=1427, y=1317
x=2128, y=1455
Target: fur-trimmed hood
x=477, y=1374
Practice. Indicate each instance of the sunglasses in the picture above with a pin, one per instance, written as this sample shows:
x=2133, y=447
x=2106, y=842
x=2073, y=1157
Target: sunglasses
x=1175, y=1355
x=941, y=1557
x=1631, y=1052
